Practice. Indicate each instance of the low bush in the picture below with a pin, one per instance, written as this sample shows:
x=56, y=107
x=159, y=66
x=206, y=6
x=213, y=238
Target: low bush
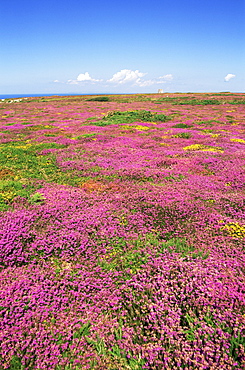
x=99, y=98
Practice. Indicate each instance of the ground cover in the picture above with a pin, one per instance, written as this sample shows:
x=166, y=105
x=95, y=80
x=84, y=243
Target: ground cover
x=122, y=232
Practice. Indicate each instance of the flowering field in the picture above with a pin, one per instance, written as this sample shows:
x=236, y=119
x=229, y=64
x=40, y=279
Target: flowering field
x=122, y=223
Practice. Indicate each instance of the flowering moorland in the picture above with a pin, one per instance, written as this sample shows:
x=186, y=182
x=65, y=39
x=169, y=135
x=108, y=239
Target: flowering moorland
x=122, y=226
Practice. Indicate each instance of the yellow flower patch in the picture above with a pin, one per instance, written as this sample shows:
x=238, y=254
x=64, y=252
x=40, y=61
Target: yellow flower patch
x=23, y=146
x=194, y=147
x=238, y=140
x=234, y=229
x=204, y=148
x=7, y=195
x=138, y=127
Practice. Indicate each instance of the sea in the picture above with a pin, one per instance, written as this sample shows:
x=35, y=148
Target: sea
x=16, y=96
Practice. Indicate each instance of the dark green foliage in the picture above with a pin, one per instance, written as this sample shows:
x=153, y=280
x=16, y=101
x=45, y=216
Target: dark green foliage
x=237, y=102
x=173, y=100
x=182, y=125
x=236, y=344
x=184, y=135
x=200, y=102
x=15, y=363
x=206, y=122
x=83, y=331
x=184, y=100
x=161, y=118
x=99, y=98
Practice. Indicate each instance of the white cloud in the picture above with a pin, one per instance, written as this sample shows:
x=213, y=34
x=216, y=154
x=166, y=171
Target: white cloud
x=160, y=80
x=56, y=81
x=168, y=77
x=83, y=77
x=126, y=75
x=229, y=76
x=143, y=83
x=72, y=82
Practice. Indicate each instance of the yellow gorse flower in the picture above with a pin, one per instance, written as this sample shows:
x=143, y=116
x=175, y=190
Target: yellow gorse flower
x=23, y=146
x=234, y=229
x=136, y=127
x=203, y=148
x=8, y=195
x=238, y=140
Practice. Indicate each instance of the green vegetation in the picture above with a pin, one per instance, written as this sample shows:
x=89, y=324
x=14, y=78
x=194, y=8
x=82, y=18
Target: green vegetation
x=183, y=135
x=179, y=245
x=237, y=101
x=20, y=167
x=10, y=189
x=99, y=98
x=209, y=122
x=115, y=118
x=186, y=100
x=200, y=102
x=36, y=198
x=182, y=125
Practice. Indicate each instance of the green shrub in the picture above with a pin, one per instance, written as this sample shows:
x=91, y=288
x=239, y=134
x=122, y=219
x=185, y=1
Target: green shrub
x=182, y=125
x=99, y=98
x=206, y=122
x=114, y=118
x=184, y=135
x=199, y=102
x=237, y=101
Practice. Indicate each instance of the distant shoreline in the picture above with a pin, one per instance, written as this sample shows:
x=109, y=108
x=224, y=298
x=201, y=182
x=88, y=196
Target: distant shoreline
x=16, y=96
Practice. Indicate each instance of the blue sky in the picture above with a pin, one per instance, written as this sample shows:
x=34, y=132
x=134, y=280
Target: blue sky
x=134, y=46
